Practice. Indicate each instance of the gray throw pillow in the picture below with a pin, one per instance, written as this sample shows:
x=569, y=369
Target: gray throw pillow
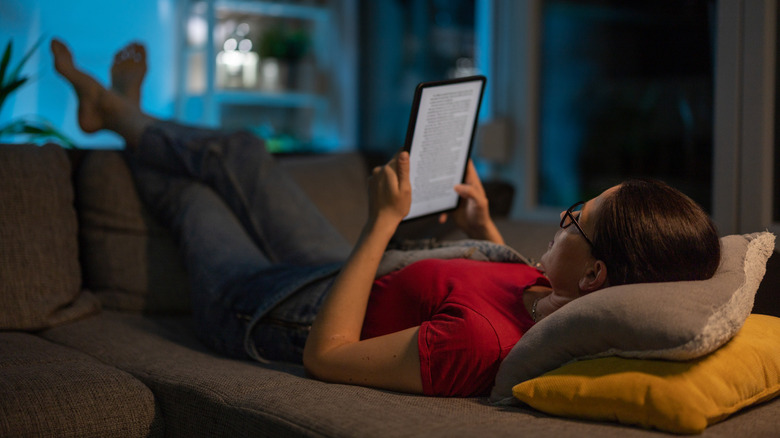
x=674, y=321
x=40, y=276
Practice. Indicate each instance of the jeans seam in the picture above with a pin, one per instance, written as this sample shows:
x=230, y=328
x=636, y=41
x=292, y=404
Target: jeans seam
x=260, y=240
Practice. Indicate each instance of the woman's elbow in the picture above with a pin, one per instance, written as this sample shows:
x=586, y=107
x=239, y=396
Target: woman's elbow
x=314, y=363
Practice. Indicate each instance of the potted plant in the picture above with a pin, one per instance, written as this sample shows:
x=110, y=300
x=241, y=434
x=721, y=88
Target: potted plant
x=281, y=50
x=32, y=128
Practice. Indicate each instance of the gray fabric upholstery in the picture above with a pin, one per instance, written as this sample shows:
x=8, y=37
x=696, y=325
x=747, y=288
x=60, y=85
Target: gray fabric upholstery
x=202, y=394
x=50, y=390
x=40, y=278
x=337, y=185
x=127, y=374
x=130, y=262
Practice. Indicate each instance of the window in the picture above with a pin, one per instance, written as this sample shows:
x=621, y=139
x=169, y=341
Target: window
x=283, y=70
x=626, y=91
x=404, y=43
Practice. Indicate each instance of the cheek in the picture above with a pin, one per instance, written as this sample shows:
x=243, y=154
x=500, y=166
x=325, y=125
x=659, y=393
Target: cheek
x=556, y=250
x=558, y=263
x=551, y=246
x=552, y=265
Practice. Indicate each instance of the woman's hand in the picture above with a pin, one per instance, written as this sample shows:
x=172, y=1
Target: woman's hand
x=473, y=215
x=390, y=191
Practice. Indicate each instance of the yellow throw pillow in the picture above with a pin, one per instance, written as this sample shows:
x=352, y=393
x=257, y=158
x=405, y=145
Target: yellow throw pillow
x=679, y=397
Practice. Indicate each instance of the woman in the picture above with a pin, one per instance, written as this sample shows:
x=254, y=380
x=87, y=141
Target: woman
x=269, y=278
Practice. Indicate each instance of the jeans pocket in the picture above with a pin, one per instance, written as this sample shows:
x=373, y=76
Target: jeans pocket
x=279, y=340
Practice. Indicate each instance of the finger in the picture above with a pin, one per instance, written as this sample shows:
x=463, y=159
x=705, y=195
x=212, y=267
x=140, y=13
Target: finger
x=466, y=191
x=472, y=177
x=388, y=169
x=402, y=169
x=392, y=161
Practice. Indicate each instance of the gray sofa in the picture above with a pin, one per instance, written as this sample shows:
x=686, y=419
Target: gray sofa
x=96, y=338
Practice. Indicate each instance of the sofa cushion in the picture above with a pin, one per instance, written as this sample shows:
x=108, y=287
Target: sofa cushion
x=130, y=261
x=40, y=274
x=675, y=320
x=677, y=397
x=202, y=394
x=51, y=390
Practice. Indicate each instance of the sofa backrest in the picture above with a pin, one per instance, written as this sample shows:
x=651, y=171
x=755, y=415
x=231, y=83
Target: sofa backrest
x=40, y=280
x=337, y=185
x=133, y=264
x=128, y=260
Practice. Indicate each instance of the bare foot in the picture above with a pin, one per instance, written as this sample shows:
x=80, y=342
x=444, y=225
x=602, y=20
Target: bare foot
x=128, y=71
x=90, y=93
x=100, y=108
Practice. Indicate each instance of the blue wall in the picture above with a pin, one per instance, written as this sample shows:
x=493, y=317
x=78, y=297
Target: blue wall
x=94, y=30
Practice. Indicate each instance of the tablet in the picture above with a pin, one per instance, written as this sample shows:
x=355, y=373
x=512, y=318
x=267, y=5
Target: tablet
x=439, y=140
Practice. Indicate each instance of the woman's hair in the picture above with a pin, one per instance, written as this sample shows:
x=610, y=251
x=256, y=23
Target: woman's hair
x=649, y=232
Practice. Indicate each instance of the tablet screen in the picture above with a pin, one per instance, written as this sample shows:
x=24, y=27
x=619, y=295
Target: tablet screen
x=439, y=138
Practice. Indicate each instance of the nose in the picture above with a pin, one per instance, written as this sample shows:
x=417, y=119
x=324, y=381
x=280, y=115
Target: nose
x=565, y=221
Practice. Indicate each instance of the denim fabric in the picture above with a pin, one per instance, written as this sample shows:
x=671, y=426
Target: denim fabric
x=250, y=237
x=281, y=334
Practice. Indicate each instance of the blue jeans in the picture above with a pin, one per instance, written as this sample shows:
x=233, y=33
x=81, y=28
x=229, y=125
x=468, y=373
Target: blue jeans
x=259, y=254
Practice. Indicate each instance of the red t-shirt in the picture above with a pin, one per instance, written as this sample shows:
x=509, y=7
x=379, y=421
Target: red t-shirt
x=470, y=314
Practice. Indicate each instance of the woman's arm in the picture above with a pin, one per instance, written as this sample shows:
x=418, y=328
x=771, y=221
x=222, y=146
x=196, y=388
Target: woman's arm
x=334, y=351
x=473, y=215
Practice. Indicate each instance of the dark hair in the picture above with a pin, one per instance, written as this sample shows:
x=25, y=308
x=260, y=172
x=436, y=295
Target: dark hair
x=648, y=232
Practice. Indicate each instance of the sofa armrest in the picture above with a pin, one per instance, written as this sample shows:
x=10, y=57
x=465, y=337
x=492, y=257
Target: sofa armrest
x=767, y=300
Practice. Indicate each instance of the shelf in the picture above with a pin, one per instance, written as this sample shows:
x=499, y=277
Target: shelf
x=305, y=104
x=261, y=98
x=274, y=9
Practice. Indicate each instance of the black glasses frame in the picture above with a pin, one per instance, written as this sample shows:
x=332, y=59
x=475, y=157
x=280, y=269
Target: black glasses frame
x=572, y=220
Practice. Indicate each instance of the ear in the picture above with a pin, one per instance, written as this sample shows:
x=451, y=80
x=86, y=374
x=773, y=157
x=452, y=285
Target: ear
x=594, y=278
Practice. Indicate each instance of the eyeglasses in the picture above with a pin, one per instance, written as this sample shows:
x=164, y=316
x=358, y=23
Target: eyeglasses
x=568, y=219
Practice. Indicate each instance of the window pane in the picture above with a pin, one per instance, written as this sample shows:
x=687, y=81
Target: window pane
x=627, y=91
x=403, y=43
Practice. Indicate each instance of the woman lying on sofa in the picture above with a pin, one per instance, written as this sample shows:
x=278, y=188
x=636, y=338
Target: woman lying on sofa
x=272, y=280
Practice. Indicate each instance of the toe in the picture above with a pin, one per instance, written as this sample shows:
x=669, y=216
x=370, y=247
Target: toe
x=62, y=57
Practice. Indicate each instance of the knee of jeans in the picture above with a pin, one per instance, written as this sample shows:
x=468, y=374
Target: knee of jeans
x=245, y=148
x=239, y=141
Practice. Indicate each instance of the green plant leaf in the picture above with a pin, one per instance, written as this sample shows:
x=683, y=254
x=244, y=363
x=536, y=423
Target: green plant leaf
x=37, y=130
x=5, y=61
x=6, y=90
